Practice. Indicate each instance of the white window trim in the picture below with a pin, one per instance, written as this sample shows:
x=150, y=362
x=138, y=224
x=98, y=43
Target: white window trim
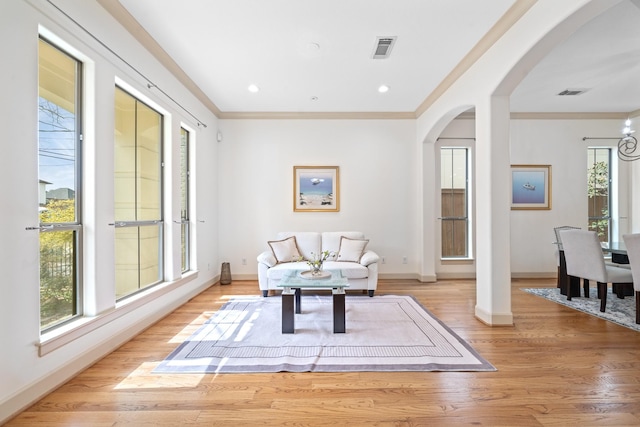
x=71, y=331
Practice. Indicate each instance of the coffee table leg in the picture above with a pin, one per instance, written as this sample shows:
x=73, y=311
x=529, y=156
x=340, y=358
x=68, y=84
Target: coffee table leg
x=298, y=300
x=339, y=324
x=288, y=318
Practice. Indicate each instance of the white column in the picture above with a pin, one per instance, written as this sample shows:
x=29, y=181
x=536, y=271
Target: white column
x=429, y=230
x=493, y=209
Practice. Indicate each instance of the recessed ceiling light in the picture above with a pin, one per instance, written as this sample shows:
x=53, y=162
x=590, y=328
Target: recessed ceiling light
x=314, y=98
x=383, y=89
x=253, y=88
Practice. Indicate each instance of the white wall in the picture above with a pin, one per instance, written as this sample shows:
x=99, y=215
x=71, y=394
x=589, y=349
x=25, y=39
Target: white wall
x=378, y=186
x=558, y=143
x=24, y=375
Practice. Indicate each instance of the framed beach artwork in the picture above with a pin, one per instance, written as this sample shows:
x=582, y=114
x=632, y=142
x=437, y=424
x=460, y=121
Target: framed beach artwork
x=316, y=189
x=530, y=187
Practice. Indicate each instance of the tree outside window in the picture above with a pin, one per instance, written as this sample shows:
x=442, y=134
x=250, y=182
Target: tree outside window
x=598, y=192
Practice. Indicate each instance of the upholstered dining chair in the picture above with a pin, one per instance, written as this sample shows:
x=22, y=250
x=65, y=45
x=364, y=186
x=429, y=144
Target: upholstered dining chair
x=584, y=258
x=632, y=242
x=562, y=265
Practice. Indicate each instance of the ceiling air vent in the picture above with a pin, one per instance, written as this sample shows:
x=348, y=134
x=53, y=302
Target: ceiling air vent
x=572, y=92
x=383, y=47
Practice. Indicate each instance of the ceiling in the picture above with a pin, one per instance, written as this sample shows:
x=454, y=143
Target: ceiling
x=311, y=56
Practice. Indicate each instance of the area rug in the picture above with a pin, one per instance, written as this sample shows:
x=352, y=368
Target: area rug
x=620, y=311
x=383, y=333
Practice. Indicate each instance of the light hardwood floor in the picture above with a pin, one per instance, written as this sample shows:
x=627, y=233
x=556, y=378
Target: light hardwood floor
x=556, y=367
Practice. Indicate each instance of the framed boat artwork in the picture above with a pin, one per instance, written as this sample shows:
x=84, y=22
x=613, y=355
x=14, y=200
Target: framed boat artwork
x=316, y=189
x=530, y=187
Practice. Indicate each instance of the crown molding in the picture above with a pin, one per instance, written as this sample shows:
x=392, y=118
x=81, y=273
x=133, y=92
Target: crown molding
x=570, y=116
x=265, y=115
x=122, y=15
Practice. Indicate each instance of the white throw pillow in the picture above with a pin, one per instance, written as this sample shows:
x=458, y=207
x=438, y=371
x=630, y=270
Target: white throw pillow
x=285, y=250
x=351, y=250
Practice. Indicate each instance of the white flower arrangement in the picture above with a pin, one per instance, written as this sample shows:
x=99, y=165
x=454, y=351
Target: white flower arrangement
x=317, y=260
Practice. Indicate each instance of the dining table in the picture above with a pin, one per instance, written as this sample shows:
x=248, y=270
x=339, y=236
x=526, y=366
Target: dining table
x=618, y=252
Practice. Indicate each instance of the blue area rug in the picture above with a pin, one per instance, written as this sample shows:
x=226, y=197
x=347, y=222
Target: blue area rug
x=620, y=311
x=384, y=333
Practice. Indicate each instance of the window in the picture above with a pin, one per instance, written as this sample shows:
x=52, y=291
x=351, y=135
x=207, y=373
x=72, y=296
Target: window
x=454, y=194
x=599, y=191
x=138, y=195
x=184, y=198
x=59, y=145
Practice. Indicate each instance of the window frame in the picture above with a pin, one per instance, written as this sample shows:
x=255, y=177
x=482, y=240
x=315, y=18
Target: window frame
x=74, y=226
x=592, y=219
x=120, y=224
x=185, y=200
x=467, y=202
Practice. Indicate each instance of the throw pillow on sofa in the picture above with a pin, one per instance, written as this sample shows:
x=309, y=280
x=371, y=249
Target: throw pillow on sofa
x=351, y=250
x=285, y=250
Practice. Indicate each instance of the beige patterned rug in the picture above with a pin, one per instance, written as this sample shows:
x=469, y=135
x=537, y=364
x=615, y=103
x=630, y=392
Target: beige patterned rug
x=383, y=333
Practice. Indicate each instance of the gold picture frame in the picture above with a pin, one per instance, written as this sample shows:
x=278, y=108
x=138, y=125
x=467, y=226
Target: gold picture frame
x=530, y=187
x=316, y=189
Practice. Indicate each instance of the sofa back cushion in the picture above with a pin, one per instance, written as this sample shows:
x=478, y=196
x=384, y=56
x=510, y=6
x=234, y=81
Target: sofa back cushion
x=285, y=250
x=331, y=240
x=308, y=242
x=351, y=250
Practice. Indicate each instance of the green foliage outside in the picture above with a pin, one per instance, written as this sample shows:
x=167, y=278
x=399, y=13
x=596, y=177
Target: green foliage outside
x=598, y=188
x=57, y=270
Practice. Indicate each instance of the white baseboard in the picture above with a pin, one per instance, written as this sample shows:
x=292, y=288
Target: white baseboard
x=459, y=276
x=494, y=319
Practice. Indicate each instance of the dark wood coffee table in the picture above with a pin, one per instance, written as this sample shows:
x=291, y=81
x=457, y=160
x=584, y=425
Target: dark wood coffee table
x=293, y=283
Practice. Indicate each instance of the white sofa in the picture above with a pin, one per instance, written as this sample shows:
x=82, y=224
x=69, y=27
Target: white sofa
x=361, y=270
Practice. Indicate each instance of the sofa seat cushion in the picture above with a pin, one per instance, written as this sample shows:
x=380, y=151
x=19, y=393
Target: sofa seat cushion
x=351, y=270
x=278, y=271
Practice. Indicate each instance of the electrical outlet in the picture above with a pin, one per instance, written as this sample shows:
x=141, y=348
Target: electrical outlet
x=404, y=259
x=244, y=261
x=384, y=260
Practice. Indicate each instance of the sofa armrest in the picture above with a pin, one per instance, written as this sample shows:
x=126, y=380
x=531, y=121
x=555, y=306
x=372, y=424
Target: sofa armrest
x=267, y=258
x=369, y=257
